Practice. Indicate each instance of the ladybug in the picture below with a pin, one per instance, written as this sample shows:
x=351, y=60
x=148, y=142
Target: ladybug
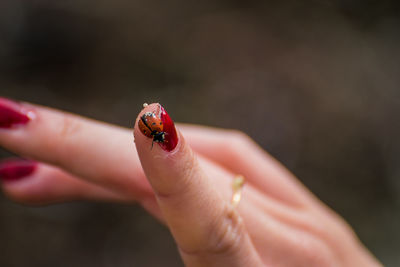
x=151, y=126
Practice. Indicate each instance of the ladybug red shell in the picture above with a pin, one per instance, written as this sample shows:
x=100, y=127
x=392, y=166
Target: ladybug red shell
x=151, y=126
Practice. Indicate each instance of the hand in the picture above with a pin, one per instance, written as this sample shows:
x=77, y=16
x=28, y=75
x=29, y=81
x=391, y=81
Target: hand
x=277, y=223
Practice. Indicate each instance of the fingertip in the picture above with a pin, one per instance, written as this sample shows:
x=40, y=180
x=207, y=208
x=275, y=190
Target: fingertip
x=13, y=170
x=18, y=179
x=154, y=125
x=43, y=185
x=163, y=160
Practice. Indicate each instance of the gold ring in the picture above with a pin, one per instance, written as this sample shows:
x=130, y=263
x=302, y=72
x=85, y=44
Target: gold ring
x=237, y=186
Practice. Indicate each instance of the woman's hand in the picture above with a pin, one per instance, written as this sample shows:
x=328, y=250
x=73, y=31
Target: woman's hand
x=278, y=222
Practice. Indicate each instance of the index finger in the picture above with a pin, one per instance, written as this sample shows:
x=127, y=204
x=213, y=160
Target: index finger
x=207, y=229
x=101, y=153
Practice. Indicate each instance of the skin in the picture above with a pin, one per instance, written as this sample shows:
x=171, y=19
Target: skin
x=277, y=223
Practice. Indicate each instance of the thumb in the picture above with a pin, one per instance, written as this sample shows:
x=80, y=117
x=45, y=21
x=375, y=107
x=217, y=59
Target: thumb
x=207, y=229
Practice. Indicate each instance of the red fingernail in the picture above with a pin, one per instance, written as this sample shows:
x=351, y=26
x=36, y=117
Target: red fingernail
x=16, y=169
x=12, y=113
x=171, y=137
x=159, y=126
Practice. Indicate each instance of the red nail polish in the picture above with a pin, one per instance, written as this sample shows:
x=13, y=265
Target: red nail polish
x=171, y=137
x=159, y=126
x=12, y=113
x=16, y=169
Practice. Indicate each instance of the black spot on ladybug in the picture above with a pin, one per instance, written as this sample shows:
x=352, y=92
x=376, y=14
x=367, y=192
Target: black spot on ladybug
x=153, y=123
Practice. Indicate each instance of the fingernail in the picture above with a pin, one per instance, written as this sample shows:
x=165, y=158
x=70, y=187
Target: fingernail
x=12, y=113
x=16, y=169
x=159, y=126
x=171, y=137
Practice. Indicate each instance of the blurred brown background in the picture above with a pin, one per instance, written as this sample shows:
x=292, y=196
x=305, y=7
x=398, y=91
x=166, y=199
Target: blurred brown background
x=313, y=82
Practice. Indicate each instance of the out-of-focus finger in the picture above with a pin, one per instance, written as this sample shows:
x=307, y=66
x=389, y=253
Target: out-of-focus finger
x=101, y=153
x=34, y=183
x=31, y=182
x=238, y=153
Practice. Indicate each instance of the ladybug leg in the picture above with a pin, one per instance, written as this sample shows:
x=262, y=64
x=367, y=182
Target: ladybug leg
x=159, y=137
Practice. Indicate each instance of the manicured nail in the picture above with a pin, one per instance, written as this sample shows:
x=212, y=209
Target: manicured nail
x=171, y=137
x=16, y=169
x=12, y=114
x=159, y=126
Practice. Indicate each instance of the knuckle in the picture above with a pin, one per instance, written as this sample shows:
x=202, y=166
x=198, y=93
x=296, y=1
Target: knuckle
x=241, y=140
x=239, y=137
x=226, y=233
x=331, y=232
x=68, y=127
x=314, y=252
x=237, y=142
x=66, y=130
x=223, y=237
x=314, y=225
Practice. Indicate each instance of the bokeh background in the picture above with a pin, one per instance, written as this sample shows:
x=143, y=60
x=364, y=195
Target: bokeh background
x=315, y=83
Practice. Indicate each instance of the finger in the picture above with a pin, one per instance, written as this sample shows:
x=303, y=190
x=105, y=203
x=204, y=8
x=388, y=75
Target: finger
x=206, y=228
x=34, y=183
x=100, y=153
x=238, y=153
